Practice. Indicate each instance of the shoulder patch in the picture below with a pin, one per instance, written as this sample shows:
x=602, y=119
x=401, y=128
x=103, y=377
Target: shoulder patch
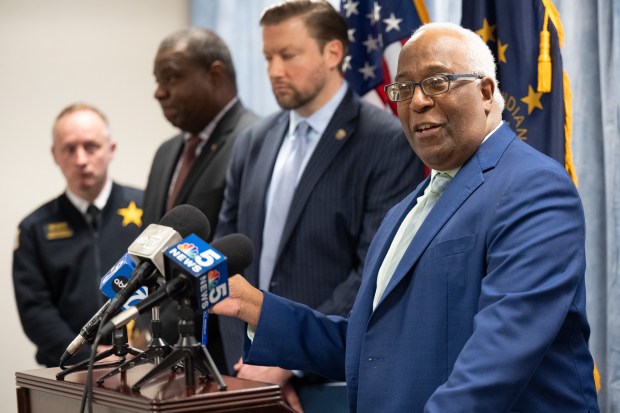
x=131, y=215
x=58, y=230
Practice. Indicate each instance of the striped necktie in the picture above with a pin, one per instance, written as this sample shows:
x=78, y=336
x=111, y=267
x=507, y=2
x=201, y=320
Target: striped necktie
x=283, y=188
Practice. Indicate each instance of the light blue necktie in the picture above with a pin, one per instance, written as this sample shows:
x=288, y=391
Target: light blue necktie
x=406, y=232
x=283, y=188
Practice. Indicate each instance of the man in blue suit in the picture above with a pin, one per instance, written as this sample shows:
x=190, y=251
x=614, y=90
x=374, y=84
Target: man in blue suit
x=354, y=165
x=484, y=310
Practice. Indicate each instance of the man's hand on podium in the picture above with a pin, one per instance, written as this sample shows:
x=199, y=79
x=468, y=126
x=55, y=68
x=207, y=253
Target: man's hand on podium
x=273, y=375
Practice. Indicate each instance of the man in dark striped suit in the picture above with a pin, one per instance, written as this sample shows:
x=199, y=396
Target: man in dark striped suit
x=354, y=165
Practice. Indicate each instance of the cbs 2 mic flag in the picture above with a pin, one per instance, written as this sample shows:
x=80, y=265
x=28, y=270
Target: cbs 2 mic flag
x=209, y=268
x=377, y=30
x=526, y=36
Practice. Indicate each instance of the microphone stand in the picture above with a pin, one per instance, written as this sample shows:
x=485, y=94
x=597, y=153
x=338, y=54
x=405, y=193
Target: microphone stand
x=155, y=351
x=120, y=348
x=187, y=350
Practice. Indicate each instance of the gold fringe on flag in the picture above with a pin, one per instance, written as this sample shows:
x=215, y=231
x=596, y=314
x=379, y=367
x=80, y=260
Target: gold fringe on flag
x=545, y=69
x=420, y=7
x=554, y=16
x=568, y=128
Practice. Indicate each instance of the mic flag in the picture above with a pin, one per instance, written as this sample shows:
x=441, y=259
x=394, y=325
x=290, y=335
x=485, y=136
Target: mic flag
x=189, y=276
x=116, y=279
x=149, y=246
x=207, y=266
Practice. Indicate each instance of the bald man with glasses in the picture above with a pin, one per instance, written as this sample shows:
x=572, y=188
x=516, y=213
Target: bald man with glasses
x=473, y=291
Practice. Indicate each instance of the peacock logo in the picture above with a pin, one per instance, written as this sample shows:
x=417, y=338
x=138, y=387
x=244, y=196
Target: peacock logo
x=214, y=278
x=190, y=250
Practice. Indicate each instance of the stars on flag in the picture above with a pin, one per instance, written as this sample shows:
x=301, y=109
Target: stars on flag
x=392, y=23
x=372, y=26
x=350, y=7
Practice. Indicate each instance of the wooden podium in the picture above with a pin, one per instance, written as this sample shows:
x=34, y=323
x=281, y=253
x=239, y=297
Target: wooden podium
x=38, y=391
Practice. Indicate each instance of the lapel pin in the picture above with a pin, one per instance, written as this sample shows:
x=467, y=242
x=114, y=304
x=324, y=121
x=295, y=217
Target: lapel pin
x=341, y=134
x=213, y=147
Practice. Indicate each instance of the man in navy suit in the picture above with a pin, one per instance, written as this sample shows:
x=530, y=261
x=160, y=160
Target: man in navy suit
x=355, y=165
x=476, y=306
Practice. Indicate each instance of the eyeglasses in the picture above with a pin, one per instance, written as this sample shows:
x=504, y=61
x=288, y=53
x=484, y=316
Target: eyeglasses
x=431, y=86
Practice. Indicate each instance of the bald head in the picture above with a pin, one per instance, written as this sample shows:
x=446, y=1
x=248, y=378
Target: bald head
x=83, y=149
x=446, y=129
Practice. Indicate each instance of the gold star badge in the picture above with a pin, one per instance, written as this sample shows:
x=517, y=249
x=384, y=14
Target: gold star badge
x=486, y=32
x=131, y=215
x=501, y=51
x=341, y=134
x=532, y=99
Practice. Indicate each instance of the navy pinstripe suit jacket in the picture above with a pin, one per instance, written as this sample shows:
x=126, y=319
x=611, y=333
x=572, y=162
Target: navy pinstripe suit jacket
x=360, y=168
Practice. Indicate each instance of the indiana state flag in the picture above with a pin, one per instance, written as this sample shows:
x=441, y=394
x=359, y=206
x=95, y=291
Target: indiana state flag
x=526, y=36
x=377, y=31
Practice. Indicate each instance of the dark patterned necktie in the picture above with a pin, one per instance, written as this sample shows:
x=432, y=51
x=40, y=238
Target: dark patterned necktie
x=187, y=161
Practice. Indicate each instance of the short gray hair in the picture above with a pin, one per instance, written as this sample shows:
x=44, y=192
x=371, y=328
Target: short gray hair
x=481, y=60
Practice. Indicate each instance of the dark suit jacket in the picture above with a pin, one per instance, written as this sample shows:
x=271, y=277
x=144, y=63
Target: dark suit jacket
x=204, y=186
x=360, y=168
x=486, y=312
x=204, y=189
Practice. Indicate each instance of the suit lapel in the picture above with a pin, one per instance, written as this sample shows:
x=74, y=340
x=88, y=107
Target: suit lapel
x=339, y=130
x=383, y=240
x=213, y=146
x=467, y=180
x=261, y=178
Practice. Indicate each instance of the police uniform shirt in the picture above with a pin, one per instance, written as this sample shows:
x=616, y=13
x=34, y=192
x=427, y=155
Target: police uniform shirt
x=58, y=262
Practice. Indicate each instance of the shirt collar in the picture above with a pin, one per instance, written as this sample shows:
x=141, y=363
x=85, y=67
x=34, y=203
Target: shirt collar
x=100, y=202
x=319, y=119
x=208, y=130
x=452, y=172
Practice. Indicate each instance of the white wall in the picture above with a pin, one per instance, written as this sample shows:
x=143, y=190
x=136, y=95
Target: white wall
x=53, y=53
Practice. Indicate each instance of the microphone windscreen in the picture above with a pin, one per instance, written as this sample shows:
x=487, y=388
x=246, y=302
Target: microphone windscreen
x=238, y=249
x=187, y=219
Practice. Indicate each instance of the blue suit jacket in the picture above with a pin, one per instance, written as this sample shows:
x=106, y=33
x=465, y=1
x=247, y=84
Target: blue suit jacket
x=485, y=312
x=361, y=167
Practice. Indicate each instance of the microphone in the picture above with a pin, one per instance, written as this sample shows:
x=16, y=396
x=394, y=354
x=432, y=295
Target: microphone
x=148, y=247
x=234, y=253
x=186, y=219
x=207, y=267
x=116, y=279
x=123, y=268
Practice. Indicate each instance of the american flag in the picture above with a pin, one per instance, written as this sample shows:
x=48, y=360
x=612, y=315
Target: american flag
x=377, y=31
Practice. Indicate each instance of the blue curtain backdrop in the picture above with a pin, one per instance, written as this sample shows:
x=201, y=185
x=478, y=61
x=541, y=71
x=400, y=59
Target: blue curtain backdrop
x=591, y=57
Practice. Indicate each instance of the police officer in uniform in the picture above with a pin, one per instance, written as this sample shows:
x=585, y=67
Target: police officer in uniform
x=65, y=246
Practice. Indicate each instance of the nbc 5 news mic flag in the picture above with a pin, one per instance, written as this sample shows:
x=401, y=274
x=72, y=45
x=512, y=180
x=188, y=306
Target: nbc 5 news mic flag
x=197, y=259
